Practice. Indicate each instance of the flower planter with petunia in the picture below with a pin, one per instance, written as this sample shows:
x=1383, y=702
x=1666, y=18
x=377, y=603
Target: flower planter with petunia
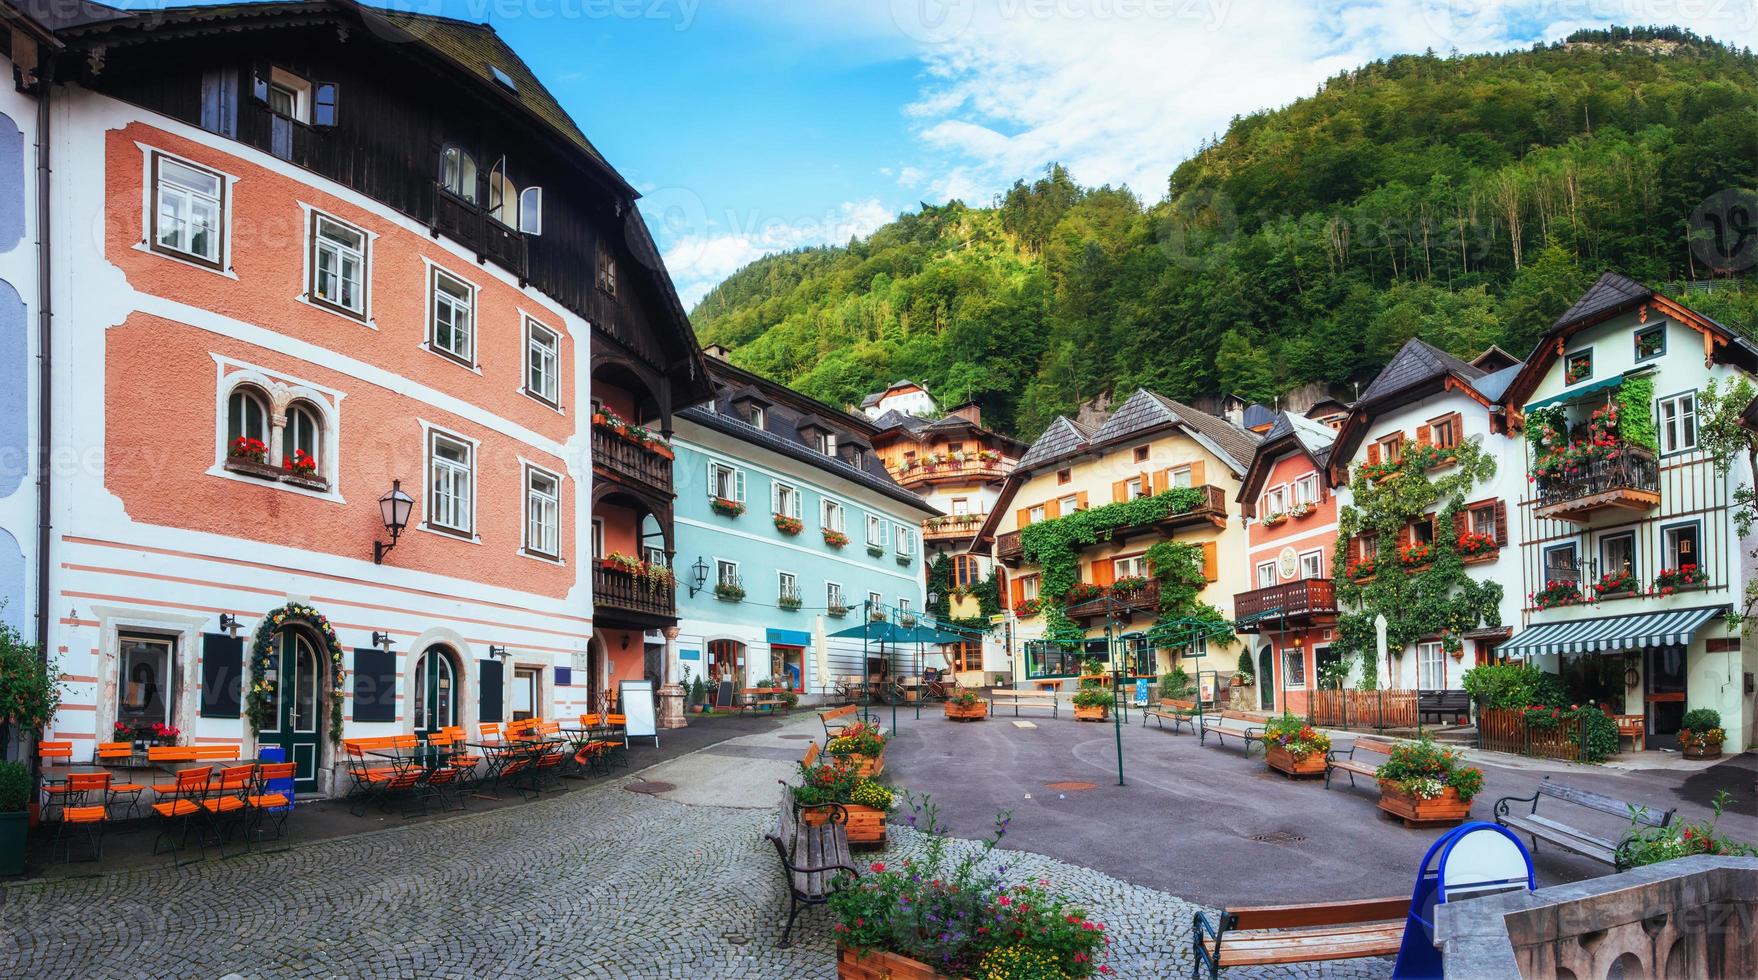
x=1616, y=585
x=966, y=706
x=728, y=592
x=1303, y=510
x=1669, y=581
x=1701, y=734
x=1295, y=748
x=1027, y=608
x=1426, y=785
x=789, y=602
x=1475, y=547
x=725, y=507
x=835, y=539
x=250, y=457
x=789, y=525
x=1555, y=594
x=1092, y=704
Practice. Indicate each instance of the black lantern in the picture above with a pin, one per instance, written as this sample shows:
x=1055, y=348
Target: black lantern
x=394, y=507
x=698, y=576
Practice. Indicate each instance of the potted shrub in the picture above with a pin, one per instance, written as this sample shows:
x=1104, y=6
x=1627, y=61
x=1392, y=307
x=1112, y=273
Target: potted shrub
x=15, y=795
x=1293, y=747
x=30, y=692
x=865, y=801
x=1242, y=670
x=966, y=706
x=698, y=694
x=1001, y=930
x=861, y=746
x=1092, y=703
x=1701, y=734
x=1426, y=785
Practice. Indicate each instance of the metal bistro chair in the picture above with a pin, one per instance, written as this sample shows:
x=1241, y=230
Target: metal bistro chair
x=75, y=813
x=226, y=801
x=55, y=753
x=182, y=803
x=110, y=753
x=268, y=805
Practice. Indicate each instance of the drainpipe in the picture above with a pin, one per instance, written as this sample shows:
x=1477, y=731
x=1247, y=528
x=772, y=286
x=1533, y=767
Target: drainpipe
x=45, y=322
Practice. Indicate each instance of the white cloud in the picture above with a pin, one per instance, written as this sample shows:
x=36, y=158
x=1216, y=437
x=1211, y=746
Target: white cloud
x=698, y=259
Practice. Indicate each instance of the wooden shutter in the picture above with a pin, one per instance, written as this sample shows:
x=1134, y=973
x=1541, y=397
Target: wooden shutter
x=1002, y=584
x=1104, y=573
x=375, y=684
x=1501, y=524
x=1080, y=500
x=1458, y=428
x=222, y=675
x=488, y=688
x=713, y=491
x=739, y=484
x=1147, y=483
x=1162, y=480
x=1211, y=569
x=1052, y=510
x=1197, y=477
x=1424, y=436
x=1373, y=454
x=1025, y=517
x=1017, y=594
x=259, y=80
x=1119, y=491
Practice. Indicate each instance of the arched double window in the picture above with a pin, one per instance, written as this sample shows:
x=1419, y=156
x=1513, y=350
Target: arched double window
x=247, y=415
x=304, y=433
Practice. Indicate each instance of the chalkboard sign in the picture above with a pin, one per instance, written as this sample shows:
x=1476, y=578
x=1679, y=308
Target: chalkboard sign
x=635, y=698
x=488, y=688
x=723, y=695
x=375, y=685
x=222, y=675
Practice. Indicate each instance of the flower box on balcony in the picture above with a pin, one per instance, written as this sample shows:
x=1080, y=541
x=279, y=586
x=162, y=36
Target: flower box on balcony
x=788, y=602
x=836, y=612
x=1556, y=594
x=729, y=593
x=1670, y=580
x=789, y=525
x=632, y=433
x=725, y=507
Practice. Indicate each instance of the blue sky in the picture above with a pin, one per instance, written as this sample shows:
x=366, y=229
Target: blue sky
x=757, y=125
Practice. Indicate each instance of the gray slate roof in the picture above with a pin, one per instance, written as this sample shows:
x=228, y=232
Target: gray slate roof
x=1610, y=292
x=1146, y=410
x=789, y=443
x=1417, y=362
x=1493, y=386
x=1256, y=415
x=1063, y=436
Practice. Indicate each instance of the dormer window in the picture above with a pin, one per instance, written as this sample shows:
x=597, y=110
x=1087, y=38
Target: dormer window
x=458, y=173
x=756, y=416
x=827, y=443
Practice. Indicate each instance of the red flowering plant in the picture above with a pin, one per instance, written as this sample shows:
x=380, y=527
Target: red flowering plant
x=166, y=733
x=1296, y=737
x=1670, y=580
x=725, y=506
x=248, y=449
x=1359, y=568
x=1473, y=543
x=1129, y=585
x=1416, y=554
x=1646, y=844
x=789, y=525
x=122, y=731
x=835, y=539
x=1027, y=608
x=1556, y=593
x=1083, y=592
x=960, y=916
x=1621, y=582
x=300, y=464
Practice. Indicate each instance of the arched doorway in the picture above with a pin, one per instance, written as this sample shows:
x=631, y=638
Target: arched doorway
x=1266, y=679
x=434, y=689
x=293, y=718
x=725, y=663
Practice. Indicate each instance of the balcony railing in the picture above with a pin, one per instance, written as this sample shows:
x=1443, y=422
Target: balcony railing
x=624, y=459
x=1212, y=509
x=1143, y=599
x=616, y=589
x=1007, y=546
x=473, y=227
x=1629, y=481
x=952, y=527
x=970, y=469
x=1296, y=600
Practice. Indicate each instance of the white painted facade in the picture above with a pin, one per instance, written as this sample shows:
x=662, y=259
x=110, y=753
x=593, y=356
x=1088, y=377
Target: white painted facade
x=20, y=430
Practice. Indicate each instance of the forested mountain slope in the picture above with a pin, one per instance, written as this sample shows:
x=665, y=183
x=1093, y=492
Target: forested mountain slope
x=1464, y=199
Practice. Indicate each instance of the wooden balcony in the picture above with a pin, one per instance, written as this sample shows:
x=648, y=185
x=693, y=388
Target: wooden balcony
x=1007, y=547
x=1630, y=483
x=952, y=527
x=1212, y=511
x=619, y=596
x=1143, y=600
x=969, y=471
x=473, y=227
x=1299, y=601
x=638, y=466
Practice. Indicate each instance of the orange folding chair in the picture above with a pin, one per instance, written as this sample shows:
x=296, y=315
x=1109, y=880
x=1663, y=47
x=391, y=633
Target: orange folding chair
x=91, y=819
x=225, y=800
x=130, y=792
x=267, y=805
x=57, y=753
x=182, y=803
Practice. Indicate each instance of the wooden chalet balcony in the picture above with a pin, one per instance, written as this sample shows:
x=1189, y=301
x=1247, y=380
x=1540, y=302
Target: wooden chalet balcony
x=634, y=464
x=952, y=527
x=1007, y=547
x=1212, y=511
x=617, y=591
x=473, y=227
x=1299, y=601
x=970, y=469
x=1145, y=599
x=1628, y=483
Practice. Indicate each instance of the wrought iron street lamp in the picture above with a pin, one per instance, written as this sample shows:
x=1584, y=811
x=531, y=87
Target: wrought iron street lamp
x=698, y=577
x=394, y=508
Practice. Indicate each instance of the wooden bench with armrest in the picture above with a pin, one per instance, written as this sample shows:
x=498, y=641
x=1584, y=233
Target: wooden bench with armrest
x=1276, y=934
x=813, y=855
x=1178, y=711
x=1342, y=758
x=1235, y=724
x=761, y=698
x=1595, y=846
x=1026, y=699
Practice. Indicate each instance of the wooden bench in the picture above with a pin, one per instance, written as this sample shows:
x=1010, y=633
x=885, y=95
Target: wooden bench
x=1440, y=704
x=1276, y=934
x=1341, y=758
x=192, y=753
x=834, y=719
x=1634, y=728
x=1237, y=724
x=756, y=698
x=812, y=856
x=1027, y=699
x=1175, y=710
x=1599, y=848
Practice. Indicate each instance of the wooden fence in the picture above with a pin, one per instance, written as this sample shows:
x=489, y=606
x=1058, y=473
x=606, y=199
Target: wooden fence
x=1363, y=709
x=1505, y=730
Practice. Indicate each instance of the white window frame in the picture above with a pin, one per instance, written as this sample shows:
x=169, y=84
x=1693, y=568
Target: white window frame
x=961, y=506
x=535, y=499
x=297, y=87
x=1431, y=656
x=1275, y=500
x=1028, y=587
x=786, y=584
x=535, y=353
x=903, y=606
x=1273, y=575
x=1181, y=476
x=735, y=479
x=832, y=515
x=877, y=600
x=1068, y=504
x=1312, y=563
x=188, y=195
x=827, y=443
x=758, y=417
x=785, y=499
x=430, y=511
x=875, y=531
x=833, y=595
x=906, y=540
x=1294, y=666
x=1035, y=515
x=467, y=357
x=721, y=565
x=362, y=256
x=1667, y=429
x=1136, y=487
x=1129, y=566
x=1305, y=489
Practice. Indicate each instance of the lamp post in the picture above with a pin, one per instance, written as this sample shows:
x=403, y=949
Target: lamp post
x=698, y=576
x=1116, y=681
x=394, y=508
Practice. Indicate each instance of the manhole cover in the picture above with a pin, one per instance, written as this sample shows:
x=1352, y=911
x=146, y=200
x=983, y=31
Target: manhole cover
x=801, y=738
x=650, y=787
x=1277, y=838
x=1071, y=787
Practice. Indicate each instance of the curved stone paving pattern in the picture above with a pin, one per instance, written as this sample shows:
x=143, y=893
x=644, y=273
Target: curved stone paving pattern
x=598, y=883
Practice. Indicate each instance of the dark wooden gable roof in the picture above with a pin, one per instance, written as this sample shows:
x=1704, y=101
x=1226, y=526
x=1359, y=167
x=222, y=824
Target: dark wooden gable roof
x=1288, y=434
x=1417, y=363
x=1063, y=437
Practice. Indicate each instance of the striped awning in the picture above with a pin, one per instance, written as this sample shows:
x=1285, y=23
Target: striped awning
x=1611, y=634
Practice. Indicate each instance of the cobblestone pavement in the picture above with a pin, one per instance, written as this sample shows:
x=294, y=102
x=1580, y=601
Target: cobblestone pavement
x=597, y=883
